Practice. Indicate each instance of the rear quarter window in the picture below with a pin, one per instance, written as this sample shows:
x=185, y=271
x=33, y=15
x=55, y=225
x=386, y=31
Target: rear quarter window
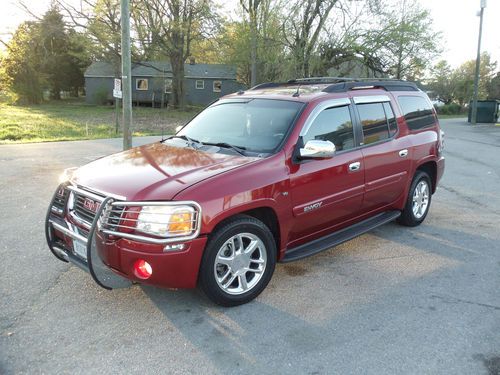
x=417, y=112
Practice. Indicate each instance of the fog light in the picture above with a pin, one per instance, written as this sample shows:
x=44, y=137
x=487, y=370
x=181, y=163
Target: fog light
x=142, y=269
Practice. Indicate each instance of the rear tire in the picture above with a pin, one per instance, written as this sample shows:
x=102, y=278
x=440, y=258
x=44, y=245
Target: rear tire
x=418, y=201
x=238, y=262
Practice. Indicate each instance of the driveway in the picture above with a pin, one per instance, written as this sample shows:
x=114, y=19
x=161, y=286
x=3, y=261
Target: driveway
x=396, y=300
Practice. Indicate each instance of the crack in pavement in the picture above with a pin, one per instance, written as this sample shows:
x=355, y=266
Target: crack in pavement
x=454, y=300
x=468, y=198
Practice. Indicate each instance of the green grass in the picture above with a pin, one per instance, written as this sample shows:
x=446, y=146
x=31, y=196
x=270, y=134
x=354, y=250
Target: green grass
x=74, y=120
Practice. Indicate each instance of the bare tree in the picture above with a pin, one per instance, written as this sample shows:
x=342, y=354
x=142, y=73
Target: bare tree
x=101, y=21
x=302, y=28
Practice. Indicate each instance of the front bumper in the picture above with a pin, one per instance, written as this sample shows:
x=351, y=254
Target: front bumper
x=110, y=260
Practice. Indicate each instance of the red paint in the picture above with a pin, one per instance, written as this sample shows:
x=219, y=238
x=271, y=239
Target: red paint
x=309, y=199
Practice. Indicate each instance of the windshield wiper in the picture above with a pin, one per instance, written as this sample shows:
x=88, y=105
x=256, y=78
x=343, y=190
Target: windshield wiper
x=191, y=141
x=239, y=149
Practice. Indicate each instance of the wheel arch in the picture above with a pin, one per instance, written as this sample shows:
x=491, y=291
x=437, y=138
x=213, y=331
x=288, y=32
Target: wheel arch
x=430, y=167
x=265, y=214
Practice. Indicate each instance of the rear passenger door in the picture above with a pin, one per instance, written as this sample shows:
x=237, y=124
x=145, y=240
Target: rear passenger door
x=386, y=154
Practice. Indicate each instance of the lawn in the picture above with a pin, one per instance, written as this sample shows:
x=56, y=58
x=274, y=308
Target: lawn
x=72, y=120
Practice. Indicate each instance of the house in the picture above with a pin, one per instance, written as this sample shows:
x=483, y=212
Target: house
x=152, y=82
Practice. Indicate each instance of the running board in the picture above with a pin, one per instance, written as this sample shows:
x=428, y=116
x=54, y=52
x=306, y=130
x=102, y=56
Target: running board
x=336, y=238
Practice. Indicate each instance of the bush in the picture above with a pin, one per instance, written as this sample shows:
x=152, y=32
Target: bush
x=100, y=96
x=449, y=109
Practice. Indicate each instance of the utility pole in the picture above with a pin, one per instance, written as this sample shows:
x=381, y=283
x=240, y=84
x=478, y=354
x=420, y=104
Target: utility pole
x=126, y=75
x=478, y=66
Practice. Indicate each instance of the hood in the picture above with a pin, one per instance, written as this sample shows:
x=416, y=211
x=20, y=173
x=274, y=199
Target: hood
x=155, y=171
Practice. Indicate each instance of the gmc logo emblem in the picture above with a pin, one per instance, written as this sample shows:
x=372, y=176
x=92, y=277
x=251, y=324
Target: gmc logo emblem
x=91, y=205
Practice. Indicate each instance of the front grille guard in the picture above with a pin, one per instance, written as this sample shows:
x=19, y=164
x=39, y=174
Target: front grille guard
x=102, y=274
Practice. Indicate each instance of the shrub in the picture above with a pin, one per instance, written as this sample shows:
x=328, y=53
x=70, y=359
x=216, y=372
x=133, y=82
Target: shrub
x=449, y=109
x=100, y=96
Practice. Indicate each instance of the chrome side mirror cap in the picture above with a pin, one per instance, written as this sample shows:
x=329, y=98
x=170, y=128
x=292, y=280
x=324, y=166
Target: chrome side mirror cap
x=317, y=149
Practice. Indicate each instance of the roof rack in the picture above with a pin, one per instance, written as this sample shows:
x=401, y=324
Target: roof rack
x=385, y=84
x=342, y=84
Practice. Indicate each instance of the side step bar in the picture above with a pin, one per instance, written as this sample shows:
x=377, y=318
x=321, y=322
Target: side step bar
x=336, y=238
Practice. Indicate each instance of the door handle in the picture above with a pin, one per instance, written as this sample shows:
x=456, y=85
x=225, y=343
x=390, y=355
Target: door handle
x=403, y=153
x=353, y=167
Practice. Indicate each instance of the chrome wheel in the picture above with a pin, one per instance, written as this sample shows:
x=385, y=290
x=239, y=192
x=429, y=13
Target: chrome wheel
x=240, y=263
x=420, y=199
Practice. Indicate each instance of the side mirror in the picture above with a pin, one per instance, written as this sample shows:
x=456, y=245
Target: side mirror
x=178, y=128
x=316, y=149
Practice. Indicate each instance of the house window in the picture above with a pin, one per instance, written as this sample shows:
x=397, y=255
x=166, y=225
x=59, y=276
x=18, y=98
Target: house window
x=200, y=84
x=168, y=85
x=217, y=86
x=141, y=84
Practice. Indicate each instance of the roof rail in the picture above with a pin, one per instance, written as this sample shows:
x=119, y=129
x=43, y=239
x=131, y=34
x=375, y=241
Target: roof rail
x=342, y=84
x=385, y=84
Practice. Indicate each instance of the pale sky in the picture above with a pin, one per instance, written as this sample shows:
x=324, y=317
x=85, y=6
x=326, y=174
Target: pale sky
x=455, y=18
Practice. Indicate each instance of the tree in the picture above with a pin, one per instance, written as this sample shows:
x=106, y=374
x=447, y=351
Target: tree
x=100, y=20
x=169, y=28
x=302, y=28
x=442, y=84
x=22, y=65
x=493, y=87
x=405, y=41
x=463, y=79
x=61, y=56
x=251, y=7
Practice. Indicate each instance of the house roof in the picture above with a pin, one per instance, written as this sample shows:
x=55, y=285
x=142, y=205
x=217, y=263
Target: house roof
x=164, y=69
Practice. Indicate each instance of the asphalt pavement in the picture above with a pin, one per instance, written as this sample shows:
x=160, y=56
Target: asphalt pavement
x=397, y=300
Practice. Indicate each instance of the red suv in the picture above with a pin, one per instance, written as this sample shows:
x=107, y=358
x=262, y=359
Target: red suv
x=274, y=174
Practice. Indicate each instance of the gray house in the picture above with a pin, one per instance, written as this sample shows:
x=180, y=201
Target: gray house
x=152, y=82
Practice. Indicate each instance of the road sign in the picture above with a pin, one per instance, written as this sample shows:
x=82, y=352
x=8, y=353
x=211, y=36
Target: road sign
x=117, y=90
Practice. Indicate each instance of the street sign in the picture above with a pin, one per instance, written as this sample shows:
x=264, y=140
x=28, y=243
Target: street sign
x=117, y=90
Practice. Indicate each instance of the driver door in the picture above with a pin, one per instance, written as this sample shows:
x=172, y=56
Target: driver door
x=327, y=192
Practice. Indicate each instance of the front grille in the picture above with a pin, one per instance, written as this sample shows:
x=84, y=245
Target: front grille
x=81, y=211
x=84, y=213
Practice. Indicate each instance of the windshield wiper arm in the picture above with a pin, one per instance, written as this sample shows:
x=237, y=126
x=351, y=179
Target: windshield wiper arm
x=190, y=141
x=239, y=149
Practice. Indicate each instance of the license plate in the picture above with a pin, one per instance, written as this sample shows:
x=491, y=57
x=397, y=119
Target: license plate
x=80, y=249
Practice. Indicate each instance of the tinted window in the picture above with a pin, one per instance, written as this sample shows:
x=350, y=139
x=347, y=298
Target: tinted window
x=417, y=112
x=259, y=125
x=374, y=122
x=334, y=125
x=391, y=119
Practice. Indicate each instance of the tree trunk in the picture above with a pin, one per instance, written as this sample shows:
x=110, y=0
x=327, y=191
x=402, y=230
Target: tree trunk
x=253, y=48
x=177, y=81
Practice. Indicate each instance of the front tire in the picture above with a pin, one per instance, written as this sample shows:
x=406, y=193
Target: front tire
x=238, y=262
x=418, y=201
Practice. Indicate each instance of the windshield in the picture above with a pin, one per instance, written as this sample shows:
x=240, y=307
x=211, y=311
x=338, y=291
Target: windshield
x=256, y=125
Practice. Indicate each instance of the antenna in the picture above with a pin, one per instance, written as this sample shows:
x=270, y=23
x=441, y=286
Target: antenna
x=296, y=94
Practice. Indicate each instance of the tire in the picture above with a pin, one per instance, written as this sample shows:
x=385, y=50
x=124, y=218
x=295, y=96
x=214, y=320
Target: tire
x=238, y=261
x=412, y=215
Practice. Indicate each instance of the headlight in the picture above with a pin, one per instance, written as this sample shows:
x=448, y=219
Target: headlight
x=167, y=221
x=67, y=175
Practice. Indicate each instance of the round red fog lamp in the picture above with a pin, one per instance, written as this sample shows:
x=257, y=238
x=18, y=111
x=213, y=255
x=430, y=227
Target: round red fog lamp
x=142, y=269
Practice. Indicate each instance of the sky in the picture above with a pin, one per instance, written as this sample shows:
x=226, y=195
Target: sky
x=456, y=19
